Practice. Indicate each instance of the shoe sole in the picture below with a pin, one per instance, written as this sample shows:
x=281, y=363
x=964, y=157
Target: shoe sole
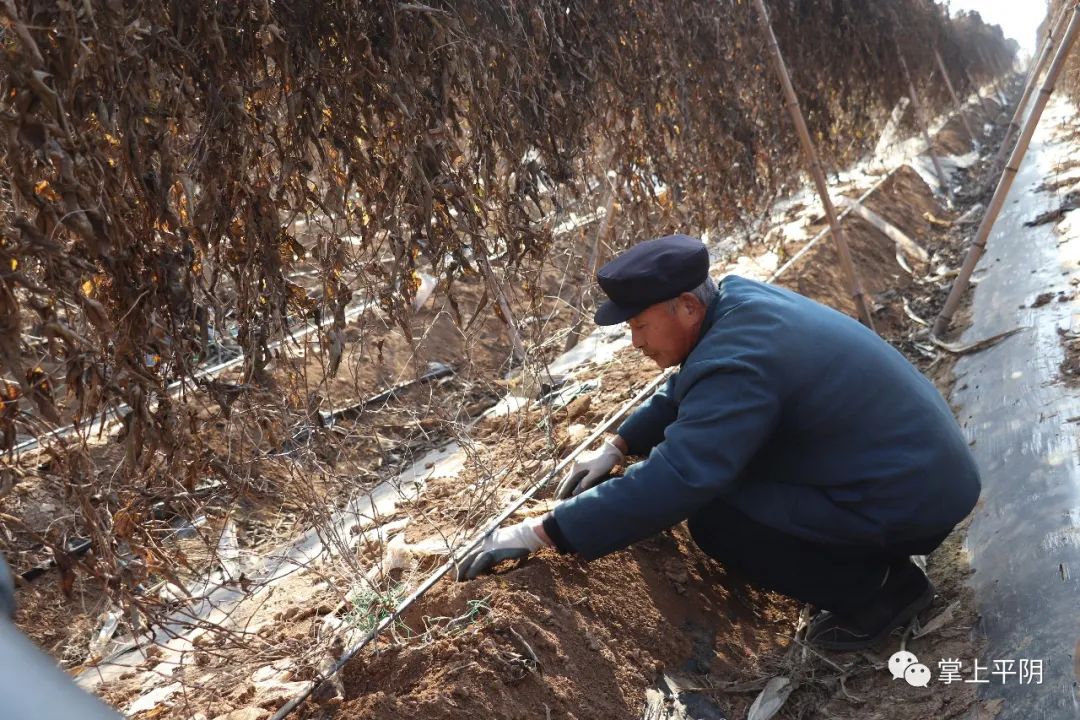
x=906, y=615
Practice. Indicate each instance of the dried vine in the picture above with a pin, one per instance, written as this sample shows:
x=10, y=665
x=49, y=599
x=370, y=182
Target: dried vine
x=157, y=157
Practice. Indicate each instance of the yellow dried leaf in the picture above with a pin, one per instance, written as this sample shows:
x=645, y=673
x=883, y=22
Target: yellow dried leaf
x=45, y=190
x=124, y=521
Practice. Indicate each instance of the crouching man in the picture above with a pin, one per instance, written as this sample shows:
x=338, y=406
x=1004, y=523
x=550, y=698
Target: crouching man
x=804, y=452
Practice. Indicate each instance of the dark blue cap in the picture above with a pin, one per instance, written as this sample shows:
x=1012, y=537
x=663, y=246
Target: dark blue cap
x=648, y=273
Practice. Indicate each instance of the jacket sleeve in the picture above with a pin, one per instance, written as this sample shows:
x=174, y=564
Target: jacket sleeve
x=644, y=429
x=729, y=409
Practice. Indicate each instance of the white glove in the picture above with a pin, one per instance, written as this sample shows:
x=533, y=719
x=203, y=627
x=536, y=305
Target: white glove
x=591, y=469
x=509, y=543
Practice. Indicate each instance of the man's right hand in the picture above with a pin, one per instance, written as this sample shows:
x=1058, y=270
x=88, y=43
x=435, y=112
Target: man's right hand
x=589, y=470
x=509, y=543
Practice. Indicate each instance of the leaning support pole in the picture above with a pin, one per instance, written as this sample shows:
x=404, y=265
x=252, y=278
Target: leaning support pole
x=978, y=246
x=578, y=319
x=815, y=168
x=924, y=124
x=955, y=97
x=1047, y=51
x=994, y=70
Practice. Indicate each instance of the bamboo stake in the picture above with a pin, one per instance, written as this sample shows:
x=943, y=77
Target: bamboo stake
x=606, y=223
x=978, y=246
x=517, y=346
x=821, y=235
x=991, y=67
x=1004, y=69
x=816, y=172
x=1053, y=31
x=608, y=424
x=978, y=90
x=956, y=99
x=924, y=125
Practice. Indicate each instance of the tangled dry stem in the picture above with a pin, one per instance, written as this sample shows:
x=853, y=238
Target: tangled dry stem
x=182, y=179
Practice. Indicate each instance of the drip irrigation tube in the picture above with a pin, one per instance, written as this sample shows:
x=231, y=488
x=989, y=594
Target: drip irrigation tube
x=76, y=548
x=435, y=371
x=492, y=525
x=110, y=417
x=446, y=567
x=329, y=418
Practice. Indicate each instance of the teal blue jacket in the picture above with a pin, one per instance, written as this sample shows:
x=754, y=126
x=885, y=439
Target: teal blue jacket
x=800, y=417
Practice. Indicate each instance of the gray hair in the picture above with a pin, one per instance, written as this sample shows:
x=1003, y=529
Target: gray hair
x=706, y=291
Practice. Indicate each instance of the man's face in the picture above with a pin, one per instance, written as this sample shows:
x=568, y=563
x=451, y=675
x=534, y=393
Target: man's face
x=667, y=332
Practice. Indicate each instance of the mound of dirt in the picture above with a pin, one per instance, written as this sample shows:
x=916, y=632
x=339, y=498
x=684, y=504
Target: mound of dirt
x=906, y=202
x=953, y=138
x=1070, y=80
x=557, y=638
x=562, y=639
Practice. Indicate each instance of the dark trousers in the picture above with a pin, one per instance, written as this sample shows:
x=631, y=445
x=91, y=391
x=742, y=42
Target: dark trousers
x=840, y=578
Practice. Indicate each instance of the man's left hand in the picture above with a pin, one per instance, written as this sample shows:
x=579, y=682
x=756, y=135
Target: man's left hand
x=509, y=543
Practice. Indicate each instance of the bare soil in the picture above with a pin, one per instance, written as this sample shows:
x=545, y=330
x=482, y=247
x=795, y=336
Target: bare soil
x=561, y=638
x=552, y=637
x=271, y=495
x=1070, y=364
x=556, y=638
x=953, y=138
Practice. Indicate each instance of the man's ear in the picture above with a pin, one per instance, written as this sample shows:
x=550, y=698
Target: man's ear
x=691, y=304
